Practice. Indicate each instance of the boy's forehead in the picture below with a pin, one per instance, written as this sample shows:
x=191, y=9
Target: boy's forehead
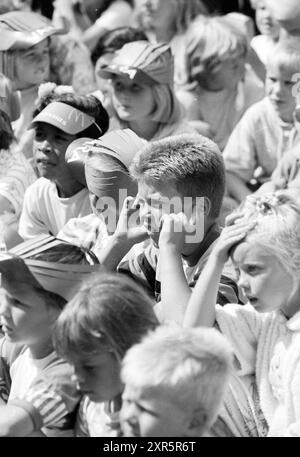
x=278, y=70
x=146, y=190
x=156, y=399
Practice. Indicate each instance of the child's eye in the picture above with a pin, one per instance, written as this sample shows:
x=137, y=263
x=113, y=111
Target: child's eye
x=118, y=86
x=16, y=303
x=136, y=88
x=60, y=139
x=39, y=135
x=253, y=269
x=89, y=368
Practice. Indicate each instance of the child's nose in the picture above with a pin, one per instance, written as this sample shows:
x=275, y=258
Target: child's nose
x=78, y=377
x=128, y=413
x=243, y=282
x=277, y=88
x=5, y=310
x=45, y=146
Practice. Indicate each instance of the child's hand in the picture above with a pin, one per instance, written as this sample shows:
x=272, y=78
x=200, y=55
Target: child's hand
x=234, y=231
x=128, y=228
x=174, y=229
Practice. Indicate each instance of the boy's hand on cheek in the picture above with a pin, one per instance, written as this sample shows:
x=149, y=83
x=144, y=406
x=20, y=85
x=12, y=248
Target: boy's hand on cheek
x=173, y=232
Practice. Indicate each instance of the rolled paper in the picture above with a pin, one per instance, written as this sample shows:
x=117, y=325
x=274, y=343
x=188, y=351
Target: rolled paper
x=62, y=279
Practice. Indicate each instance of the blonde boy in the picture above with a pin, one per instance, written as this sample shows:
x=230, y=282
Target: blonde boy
x=175, y=380
x=268, y=129
x=221, y=86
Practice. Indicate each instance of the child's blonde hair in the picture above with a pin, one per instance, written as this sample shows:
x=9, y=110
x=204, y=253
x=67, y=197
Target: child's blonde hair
x=191, y=367
x=217, y=39
x=277, y=228
x=286, y=56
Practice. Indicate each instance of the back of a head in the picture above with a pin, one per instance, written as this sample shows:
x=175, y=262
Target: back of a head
x=213, y=40
x=191, y=367
x=192, y=164
x=110, y=311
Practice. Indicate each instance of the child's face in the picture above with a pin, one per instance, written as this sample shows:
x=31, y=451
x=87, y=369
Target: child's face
x=157, y=202
x=150, y=414
x=98, y=375
x=279, y=87
x=226, y=76
x=262, y=278
x=25, y=317
x=33, y=65
x=132, y=101
x=265, y=22
x=50, y=146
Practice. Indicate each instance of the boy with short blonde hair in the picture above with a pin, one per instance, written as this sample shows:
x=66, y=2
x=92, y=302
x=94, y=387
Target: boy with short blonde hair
x=175, y=380
x=268, y=129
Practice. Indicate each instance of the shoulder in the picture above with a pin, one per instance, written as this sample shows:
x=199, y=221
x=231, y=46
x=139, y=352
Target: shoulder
x=258, y=110
x=40, y=185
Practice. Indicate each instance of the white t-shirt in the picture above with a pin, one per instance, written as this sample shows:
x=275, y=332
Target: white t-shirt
x=44, y=388
x=44, y=211
x=24, y=370
x=96, y=419
x=260, y=139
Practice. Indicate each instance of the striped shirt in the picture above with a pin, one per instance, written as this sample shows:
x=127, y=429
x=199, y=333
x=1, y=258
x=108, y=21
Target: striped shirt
x=145, y=266
x=44, y=389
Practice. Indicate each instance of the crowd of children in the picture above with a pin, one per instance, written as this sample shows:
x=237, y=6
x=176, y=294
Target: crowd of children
x=149, y=191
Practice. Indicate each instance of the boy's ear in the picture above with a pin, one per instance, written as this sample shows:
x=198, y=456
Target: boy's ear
x=201, y=208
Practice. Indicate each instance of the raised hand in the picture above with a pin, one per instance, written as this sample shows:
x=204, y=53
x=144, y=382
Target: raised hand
x=174, y=230
x=129, y=228
x=236, y=228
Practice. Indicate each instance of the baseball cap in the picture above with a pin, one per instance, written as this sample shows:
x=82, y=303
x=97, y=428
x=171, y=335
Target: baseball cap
x=22, y=30
x=19, y=271
x=121, y=144
x=142, y=62
x=65, y=117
